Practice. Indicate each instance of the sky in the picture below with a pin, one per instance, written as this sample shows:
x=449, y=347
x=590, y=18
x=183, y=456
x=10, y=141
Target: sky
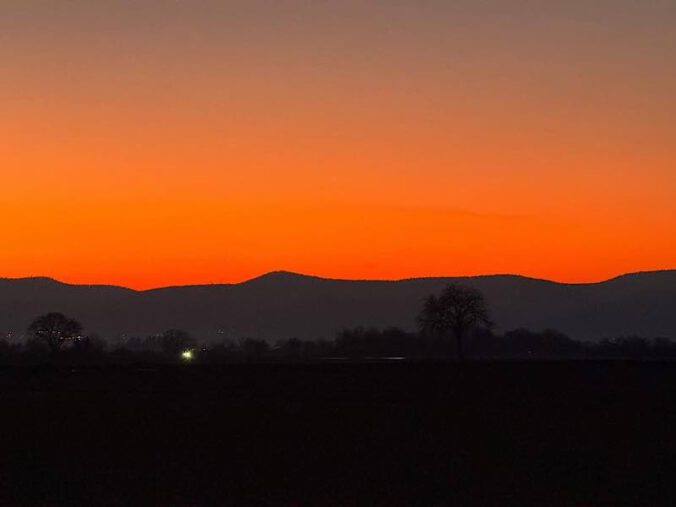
x=166, y=142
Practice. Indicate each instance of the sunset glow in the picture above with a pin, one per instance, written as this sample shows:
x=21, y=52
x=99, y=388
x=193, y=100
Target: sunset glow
x=151, y=143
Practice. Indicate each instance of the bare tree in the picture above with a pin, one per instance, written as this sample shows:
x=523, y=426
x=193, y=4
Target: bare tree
x=55, y=329
x=457, y=310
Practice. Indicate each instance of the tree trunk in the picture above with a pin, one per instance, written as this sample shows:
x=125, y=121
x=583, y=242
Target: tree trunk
x=459, y=332
x=461, y=353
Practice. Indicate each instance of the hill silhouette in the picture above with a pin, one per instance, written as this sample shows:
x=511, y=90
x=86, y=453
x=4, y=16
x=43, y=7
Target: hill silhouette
x=283, y=305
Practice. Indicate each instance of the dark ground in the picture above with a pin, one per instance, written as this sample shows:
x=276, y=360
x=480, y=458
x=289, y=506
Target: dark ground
x=492, y=433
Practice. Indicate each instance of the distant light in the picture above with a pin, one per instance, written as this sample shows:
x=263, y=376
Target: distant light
x=187, y=355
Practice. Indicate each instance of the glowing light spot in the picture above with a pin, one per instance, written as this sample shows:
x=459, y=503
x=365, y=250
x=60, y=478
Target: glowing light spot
x=187, y=355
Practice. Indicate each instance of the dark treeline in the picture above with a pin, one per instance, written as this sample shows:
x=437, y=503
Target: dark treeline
x=485, y=344
x=455, y=323
x=175, y=346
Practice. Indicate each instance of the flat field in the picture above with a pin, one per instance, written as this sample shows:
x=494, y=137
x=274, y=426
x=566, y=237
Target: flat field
x=400, y=433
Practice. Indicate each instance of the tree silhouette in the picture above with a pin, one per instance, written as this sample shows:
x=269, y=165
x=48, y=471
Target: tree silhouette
x=55, y=329
x=456, y=310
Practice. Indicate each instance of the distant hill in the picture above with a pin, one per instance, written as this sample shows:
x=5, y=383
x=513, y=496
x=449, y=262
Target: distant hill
x=282, y=305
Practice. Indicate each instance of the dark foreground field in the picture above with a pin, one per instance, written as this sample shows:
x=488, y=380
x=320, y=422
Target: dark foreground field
x=510, y=433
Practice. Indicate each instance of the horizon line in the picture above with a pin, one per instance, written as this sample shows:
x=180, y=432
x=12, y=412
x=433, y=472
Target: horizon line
x=328, y=278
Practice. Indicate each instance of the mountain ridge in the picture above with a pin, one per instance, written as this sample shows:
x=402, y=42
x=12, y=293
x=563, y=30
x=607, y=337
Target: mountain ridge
x=292, y=274
x=282, y=305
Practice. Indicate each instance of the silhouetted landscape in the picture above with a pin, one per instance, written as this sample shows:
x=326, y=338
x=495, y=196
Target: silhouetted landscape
x=283, y=305
x=452, y=412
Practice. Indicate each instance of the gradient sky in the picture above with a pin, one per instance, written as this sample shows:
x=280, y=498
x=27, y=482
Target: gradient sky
x=157, y=142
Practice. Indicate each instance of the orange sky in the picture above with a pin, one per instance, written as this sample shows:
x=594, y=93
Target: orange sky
x=151, y=143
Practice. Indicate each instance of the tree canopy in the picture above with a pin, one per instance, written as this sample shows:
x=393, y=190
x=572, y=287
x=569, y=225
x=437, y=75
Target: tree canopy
x=456, y=310
x=55, y=329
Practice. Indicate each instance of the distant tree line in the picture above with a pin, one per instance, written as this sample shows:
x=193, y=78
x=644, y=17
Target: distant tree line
x=456, y=323
x=358, y=343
